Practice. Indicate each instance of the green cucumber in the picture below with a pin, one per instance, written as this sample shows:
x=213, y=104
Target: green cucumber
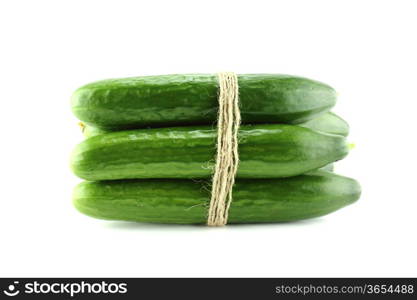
x=328, y=123
x=185, y=201
x=90, y=131
x=265, y=151
x=328, y=168
x=172, y=100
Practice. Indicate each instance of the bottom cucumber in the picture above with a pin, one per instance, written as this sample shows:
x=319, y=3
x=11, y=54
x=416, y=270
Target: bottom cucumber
x=185, y=201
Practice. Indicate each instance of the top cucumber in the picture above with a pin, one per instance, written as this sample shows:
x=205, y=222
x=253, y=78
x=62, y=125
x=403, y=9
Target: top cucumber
x=169, y=100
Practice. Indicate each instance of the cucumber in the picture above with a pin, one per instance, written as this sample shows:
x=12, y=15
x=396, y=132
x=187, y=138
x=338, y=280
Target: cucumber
x=266, y=151
x=89, y=131
x=328, y=123
x=185, y=201
x=329, y=168
x=172, y=100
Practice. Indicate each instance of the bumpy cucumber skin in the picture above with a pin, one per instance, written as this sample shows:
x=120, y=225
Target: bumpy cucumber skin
x=184, y=201
x=90, y=131
x=171, y=100
x=327, y=127
x=265, y=151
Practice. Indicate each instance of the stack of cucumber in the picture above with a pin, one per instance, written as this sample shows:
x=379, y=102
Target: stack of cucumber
x=150, y=148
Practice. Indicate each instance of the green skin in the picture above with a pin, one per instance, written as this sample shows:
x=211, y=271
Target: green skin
x=172, y=100
x=265, y=151
x=90, y=131
x=328, y=123
x=184, y=201
x=328, y=168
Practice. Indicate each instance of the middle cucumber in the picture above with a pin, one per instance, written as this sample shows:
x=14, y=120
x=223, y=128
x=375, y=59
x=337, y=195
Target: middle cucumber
x=266, y=151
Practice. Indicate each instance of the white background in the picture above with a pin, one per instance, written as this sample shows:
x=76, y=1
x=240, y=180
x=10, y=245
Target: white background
x=365, y=49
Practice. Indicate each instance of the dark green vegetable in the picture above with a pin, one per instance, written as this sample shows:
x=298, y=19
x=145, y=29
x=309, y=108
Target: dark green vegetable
x=185, y=201
x=266, y=151
x=171, y=100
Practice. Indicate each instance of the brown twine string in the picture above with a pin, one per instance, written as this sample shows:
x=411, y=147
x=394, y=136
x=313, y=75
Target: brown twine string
x=227, y=157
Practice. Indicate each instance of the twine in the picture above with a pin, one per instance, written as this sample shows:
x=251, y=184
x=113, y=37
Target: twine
x=227, y=157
